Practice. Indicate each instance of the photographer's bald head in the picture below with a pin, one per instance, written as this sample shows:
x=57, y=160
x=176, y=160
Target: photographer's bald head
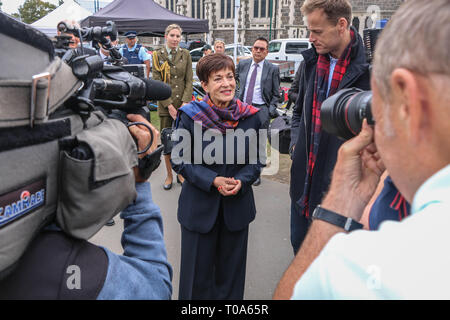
x=411, y=100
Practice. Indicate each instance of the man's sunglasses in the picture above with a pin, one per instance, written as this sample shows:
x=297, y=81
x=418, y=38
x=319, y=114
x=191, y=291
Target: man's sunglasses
x=259, y=48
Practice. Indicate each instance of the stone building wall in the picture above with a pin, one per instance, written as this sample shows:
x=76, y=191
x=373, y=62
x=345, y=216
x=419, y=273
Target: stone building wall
x=287, y=20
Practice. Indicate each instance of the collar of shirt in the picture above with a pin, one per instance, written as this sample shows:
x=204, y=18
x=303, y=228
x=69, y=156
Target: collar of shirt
x=260, y=64
x=434, y=190
x=132, y=49
x=169, y=50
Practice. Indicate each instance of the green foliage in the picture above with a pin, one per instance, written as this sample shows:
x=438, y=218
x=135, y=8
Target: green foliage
x=33, y=10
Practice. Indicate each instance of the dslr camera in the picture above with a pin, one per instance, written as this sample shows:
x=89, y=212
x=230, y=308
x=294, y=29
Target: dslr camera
x=343, y=113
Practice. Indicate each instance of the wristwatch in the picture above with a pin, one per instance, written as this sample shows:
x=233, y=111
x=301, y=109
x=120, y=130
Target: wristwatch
x=346, y=223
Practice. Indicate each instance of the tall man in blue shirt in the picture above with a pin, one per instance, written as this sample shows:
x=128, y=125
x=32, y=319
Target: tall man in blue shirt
x=411, y=107
x=135, y=53
x=336, y=61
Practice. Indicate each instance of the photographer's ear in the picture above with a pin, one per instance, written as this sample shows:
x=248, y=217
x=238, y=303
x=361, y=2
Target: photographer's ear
x=409, y=100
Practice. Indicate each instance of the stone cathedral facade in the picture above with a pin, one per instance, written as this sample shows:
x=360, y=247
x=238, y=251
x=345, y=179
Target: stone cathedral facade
x=272, y=19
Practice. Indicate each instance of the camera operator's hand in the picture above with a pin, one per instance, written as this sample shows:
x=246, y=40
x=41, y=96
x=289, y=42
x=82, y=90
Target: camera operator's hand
x=143, y=137
x=355, y=176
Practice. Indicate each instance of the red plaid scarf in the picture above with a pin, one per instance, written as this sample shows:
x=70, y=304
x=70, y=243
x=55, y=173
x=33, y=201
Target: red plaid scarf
x=320, y=94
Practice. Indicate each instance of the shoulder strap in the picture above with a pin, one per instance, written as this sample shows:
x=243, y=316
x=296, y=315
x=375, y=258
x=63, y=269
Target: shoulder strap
x=163, y=69
x=32, y=101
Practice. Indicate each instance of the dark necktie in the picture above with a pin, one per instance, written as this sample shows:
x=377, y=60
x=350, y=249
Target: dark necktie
x=173, y=52
x=251, y=86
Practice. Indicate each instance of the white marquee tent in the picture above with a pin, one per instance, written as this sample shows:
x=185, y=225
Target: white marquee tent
x=69, y=10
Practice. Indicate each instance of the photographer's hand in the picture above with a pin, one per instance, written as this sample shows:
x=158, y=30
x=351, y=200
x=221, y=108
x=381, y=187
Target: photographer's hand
x=355, y=176
x=143, y=137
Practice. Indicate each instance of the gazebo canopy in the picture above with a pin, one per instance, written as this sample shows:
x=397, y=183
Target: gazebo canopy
x=145, y=17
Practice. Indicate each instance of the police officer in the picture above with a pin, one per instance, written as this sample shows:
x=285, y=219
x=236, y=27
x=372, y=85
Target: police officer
x=135, y=53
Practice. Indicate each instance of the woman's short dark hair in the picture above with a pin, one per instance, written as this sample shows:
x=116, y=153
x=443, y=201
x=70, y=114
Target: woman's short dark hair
x=212, y=63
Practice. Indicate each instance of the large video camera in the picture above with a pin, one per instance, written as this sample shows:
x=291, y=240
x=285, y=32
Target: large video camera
x=110, y=87
x=66, y=153
x=343, y=113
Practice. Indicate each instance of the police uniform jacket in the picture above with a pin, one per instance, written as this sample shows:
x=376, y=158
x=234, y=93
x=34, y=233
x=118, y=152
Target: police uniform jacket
x=180, y=79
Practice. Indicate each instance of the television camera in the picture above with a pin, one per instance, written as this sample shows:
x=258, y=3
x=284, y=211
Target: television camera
x=67, y=155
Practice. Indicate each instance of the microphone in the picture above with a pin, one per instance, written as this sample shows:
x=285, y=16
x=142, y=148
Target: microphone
x=136, y=89
x=157, y=90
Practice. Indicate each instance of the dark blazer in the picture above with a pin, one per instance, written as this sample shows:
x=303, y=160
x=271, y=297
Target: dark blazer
x=270, y=81
x=293, y=90
x=357, y=75
x=198, y=205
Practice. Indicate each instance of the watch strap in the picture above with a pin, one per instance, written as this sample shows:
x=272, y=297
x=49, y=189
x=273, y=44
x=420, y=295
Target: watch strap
x=346, y=223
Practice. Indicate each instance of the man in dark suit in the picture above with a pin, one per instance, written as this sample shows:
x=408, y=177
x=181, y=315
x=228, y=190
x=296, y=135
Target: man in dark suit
x=259, y=83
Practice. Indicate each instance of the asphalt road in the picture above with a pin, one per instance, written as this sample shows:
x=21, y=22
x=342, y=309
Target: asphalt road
x=269, y=249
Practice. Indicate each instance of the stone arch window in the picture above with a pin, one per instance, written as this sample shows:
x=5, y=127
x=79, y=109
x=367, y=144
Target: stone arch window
x=261, y=8
x=170, y=4
x=226, y=9
x=198, y=9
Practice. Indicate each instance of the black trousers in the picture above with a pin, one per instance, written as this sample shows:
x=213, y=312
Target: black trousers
x=213, y=264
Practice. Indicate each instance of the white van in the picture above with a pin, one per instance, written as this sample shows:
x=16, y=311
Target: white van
x=288, y=50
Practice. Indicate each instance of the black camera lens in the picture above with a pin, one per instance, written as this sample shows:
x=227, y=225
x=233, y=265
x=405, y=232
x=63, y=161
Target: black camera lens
x=343, y=113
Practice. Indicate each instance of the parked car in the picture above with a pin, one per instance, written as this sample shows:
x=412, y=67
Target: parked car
x=192, y=44
x=196, y=54
x=288, y=50
x=242, y=51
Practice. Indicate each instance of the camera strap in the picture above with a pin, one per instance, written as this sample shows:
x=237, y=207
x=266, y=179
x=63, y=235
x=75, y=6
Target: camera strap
x=26, y=102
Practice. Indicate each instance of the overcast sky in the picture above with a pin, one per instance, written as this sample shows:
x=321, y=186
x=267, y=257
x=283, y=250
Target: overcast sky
x=11, y=6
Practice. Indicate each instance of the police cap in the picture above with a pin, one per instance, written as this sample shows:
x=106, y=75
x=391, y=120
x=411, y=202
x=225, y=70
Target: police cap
x=130, y=34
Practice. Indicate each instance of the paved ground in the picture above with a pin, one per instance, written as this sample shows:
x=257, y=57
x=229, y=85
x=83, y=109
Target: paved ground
x=269, y=249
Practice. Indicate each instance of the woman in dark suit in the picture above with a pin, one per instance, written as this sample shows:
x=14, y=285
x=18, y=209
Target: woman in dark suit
x=216, y=203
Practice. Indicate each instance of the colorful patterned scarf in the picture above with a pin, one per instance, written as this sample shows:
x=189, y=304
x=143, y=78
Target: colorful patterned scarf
x=320, y=94
x=213, y=117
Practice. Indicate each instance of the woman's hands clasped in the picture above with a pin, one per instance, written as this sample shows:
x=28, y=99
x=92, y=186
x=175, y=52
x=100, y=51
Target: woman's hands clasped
x=227, y=186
